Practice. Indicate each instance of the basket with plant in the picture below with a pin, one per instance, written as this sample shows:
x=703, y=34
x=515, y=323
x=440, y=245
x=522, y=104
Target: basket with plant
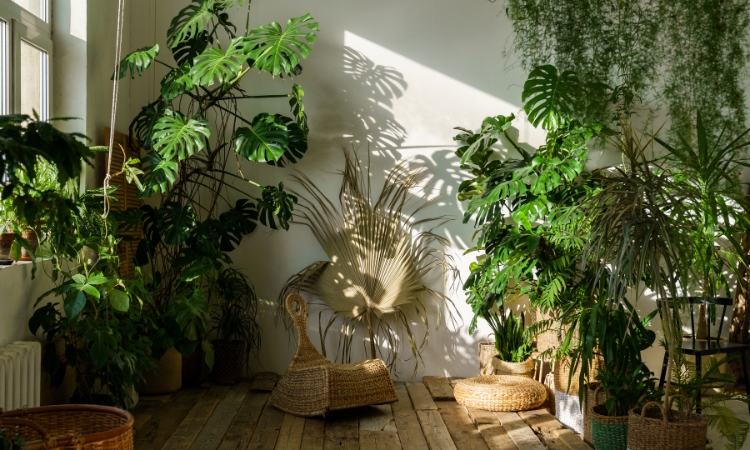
x=513, y=343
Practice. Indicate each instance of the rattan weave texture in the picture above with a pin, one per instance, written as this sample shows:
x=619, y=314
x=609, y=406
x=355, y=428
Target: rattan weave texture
x=500, y=393
x=312, y=385
x=63, y=427
x=656, y=427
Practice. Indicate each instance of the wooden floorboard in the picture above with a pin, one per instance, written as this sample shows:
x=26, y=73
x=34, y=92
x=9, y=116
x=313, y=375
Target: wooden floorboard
x=425, y=417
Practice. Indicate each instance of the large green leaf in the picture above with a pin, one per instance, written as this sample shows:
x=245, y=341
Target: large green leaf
x=176, y=222
x=276, y=202
x=192, y=314
x=176, y=136
x=145, y=121
x=190, y=21
x=550, y=98
x=74, y=303
x=176, y=82
x=277, y=51
x=297, y=144
x=190, y=47
x=119, y=300
x=213, y=65
x=160, y=173
x=137, y=61
x=298, y=108
x=103, y=344
x=267, y=140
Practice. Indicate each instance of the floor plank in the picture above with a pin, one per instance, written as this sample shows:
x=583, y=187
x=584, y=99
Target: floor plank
x=342, y=430
x=146, y=408
x=188, y=430
x=216, y=427
x=264, y=381
x=440, y=388
x=378, y=440
x=377, y=418
x=267, y=431
x=435, y=431
x=517, y=429
x=460, y=426
x=314, y=435
x=571, y=440
x=540, y=420
x=407, y=423
x=480, y=416
x=496, y=437
x=160, y=427
x=241, y=430
x=420, y=396
x=290, y=434
x=553, y=442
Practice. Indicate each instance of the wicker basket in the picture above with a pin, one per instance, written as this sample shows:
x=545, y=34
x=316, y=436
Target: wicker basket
x=168, y=375
x=487, y=353
x=562, y=374
x=500, y=393
x=229, y=360
x=522, y=369
x=656, y=427
x=568, y=411
x=608, y=432
x=312, y=385
x=66, y=427
x=546, y=340
x=594, y=396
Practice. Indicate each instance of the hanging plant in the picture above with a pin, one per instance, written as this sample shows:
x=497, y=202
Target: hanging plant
x=374, y=280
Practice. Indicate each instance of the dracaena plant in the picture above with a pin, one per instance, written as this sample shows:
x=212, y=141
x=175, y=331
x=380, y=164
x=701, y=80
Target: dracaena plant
x=192, y=133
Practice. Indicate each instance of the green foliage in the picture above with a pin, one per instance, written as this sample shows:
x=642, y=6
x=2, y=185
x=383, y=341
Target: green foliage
x=278, y=51
x=512, y=341
x=549, y=98
x=10, y=441
x=176, y=136
x=214, y=65
x=235, y=307
x=266, y=140
x=138, y=61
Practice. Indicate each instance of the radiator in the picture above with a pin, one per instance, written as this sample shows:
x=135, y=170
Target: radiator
x=20, y=375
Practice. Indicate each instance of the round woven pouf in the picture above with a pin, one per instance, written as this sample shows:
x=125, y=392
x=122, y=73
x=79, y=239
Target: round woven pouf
x=500, y=393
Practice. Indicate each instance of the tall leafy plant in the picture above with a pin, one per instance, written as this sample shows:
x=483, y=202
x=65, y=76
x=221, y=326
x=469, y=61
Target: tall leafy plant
x=191, y=134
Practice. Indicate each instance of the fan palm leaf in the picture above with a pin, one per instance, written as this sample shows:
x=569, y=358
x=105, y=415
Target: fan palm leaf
x=378, y=258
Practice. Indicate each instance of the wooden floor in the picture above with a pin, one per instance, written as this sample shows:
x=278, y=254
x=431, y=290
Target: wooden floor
x=426, y=416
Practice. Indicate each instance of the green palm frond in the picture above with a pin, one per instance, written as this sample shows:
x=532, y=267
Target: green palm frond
x=374, y=281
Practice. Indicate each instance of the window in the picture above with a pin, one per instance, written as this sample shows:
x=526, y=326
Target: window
x=25, y=55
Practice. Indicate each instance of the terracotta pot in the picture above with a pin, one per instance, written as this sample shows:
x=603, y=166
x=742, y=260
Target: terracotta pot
x=6, y=242
x=31, y=237
x=229, y=361
x=168, y=375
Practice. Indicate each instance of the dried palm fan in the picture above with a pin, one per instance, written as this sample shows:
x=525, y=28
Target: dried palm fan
x=378, y=259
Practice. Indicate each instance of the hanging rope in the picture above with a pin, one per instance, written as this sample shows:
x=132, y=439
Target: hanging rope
x=115, y=92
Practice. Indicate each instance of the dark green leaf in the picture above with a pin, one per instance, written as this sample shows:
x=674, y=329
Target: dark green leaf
x=277, y=51
x=176, y=136
x=137, y=61
x=267, y=140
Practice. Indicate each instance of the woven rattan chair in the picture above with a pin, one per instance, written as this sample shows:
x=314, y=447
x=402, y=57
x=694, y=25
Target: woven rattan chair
x=312, y=385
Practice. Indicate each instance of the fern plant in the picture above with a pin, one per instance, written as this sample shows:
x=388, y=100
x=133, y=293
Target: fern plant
x=191, y=134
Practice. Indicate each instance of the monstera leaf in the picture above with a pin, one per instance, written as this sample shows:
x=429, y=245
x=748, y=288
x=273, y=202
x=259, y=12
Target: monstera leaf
x=176, y=222
x=213, y=65
x=144, y=123
x=159, y=173
x=176, y=82
x=297, y=146
x=550, y=98
x=192, y=46
x=229, y=3
x=190, y=21
x=266, y=140
x=276, y=202
x=236, y=223
x=176, y=136
x=191, y=312
x=137, y=61
x=298, y=108
x=277, y=51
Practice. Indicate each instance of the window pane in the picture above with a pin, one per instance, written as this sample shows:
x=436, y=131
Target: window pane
x=36, y=7
x=34, y=81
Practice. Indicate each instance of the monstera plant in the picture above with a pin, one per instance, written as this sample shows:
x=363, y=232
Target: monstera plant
x=373, y=282
x=191, y=133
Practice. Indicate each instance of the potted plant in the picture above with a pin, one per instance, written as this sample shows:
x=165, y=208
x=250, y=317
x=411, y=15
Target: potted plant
x=513, y=343
x=191, y=135
x=234, y=307
x=8, y=236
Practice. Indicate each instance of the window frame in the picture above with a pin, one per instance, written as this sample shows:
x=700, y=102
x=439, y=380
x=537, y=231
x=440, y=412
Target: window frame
x=22, y=25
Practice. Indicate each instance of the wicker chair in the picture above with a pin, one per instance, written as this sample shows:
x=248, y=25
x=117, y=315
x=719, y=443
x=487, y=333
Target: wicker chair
x=312, y=385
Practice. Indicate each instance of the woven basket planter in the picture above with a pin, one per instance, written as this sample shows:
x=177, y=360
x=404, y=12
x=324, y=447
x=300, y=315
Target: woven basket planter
x=522, y=369
x=568, y=411
x=168, y=375
x=500, y=393
x=594, y=396
x=487, y=353
x=562, y=374
x=546, y=340
x=66, y=427
x=229, y=361
x=608, y=432
x=656, y=427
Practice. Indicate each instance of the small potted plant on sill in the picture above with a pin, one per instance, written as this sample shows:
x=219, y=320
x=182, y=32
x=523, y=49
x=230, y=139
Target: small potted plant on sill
x=8, y=235
x=234, y=307
x=513, y=343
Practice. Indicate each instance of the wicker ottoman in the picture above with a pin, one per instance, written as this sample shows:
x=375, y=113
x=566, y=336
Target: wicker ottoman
x=500, y=393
